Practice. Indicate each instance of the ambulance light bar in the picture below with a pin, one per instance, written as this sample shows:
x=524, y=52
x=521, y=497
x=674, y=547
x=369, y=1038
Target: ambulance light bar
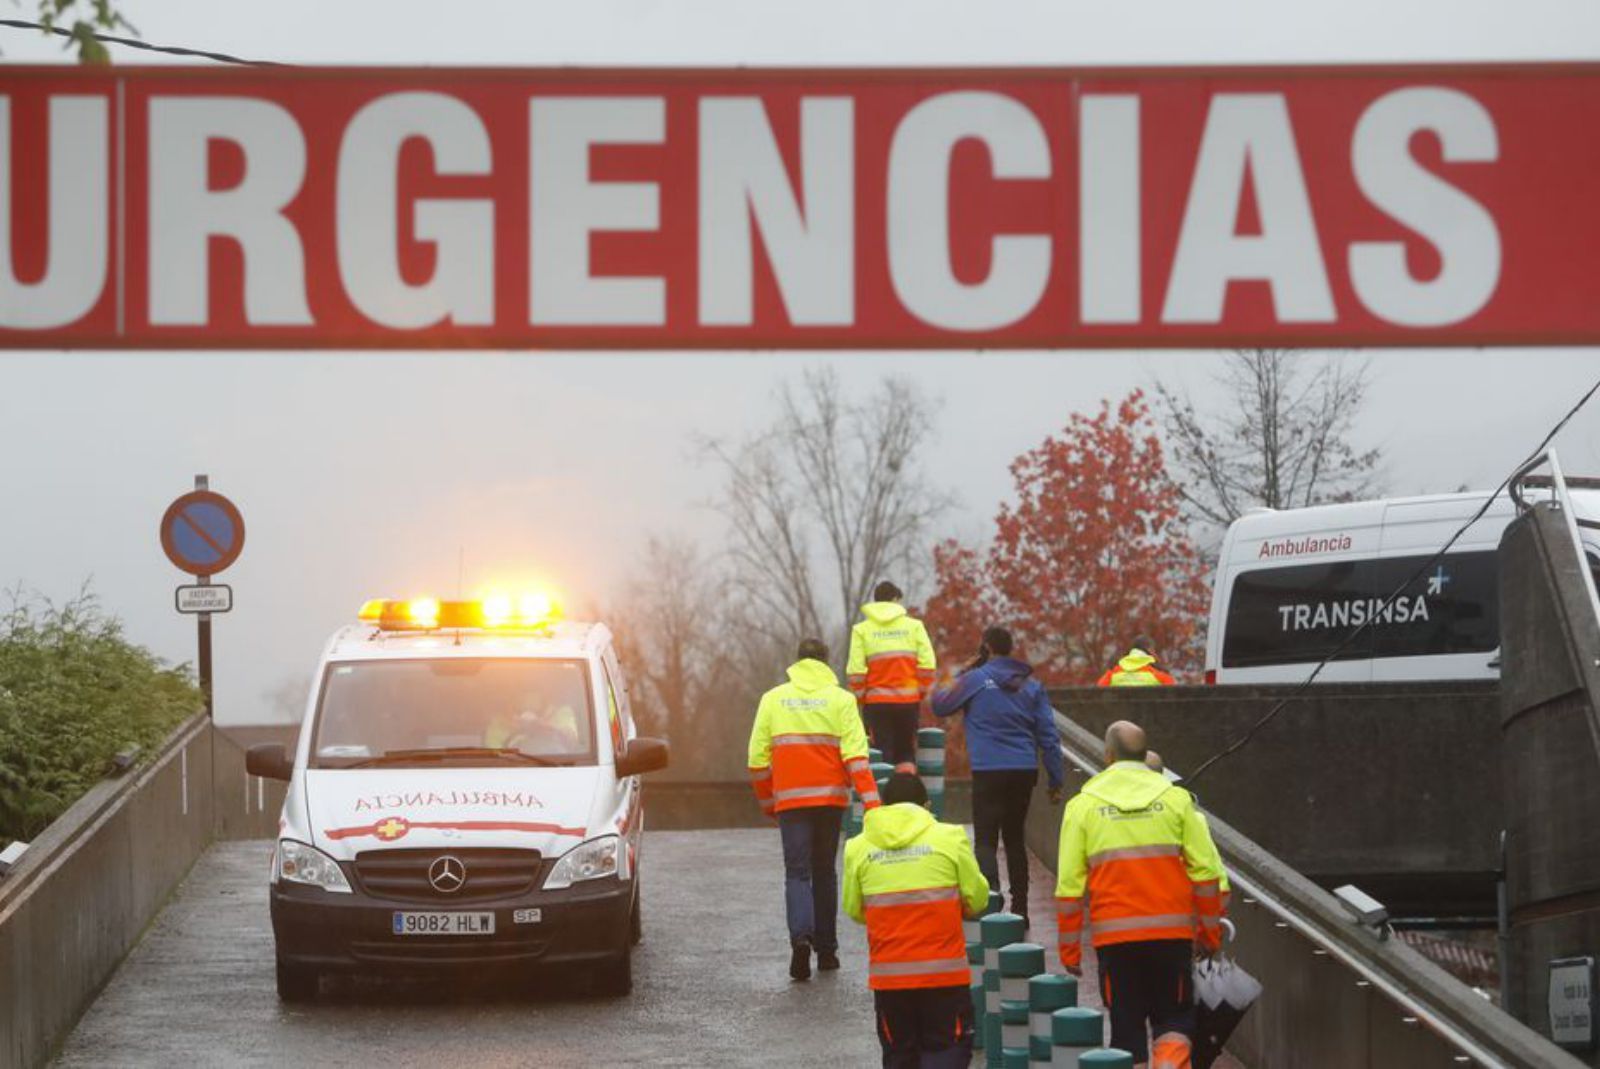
x=531, y=612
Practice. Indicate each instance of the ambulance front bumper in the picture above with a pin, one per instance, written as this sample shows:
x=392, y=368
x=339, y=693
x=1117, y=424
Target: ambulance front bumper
x=334, y=931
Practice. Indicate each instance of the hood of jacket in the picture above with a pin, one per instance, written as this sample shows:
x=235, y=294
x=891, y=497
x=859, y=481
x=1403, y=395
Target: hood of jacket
x=1128, y=785
x=894, y=826
x=1008, y=673
x=1135, y=660
x=883, y=612
x=812, y=675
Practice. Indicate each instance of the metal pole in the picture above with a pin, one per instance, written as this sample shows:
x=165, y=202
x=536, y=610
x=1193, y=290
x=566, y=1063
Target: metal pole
x=203, y=669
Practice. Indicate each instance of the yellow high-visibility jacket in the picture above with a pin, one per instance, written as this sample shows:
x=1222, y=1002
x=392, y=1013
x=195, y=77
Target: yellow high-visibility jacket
x=910, y=880
x=808, y=745
x=891, y=660
x=1140, y=849
x=1137, y=669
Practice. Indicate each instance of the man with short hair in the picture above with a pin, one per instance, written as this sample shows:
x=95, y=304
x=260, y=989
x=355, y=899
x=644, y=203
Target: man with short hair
x=911, y=880
x=1137, y=668
x=891, y=670
x=806, y=749
x=1137, y=846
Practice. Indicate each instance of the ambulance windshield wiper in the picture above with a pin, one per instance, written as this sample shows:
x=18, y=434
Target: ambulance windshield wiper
x=456, y=753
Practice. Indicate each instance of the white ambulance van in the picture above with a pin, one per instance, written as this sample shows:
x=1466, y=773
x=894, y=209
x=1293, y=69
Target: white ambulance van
x=465, y=793
x=1292, y=585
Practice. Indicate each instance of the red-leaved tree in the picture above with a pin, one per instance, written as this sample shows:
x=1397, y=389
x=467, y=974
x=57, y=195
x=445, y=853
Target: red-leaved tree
x=1092, y=553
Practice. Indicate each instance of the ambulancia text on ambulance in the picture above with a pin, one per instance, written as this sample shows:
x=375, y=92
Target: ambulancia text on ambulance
x=464, y=792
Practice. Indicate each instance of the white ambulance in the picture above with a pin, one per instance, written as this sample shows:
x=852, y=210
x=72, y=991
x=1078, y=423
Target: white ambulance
x=1292, y=585
x=465, y=793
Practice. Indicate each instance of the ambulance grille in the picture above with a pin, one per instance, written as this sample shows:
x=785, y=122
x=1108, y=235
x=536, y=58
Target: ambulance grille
x=402, y=875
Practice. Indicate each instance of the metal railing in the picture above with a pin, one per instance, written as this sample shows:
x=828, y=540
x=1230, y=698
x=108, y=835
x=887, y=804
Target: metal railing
x=1386, y=1005
x=1561, y=498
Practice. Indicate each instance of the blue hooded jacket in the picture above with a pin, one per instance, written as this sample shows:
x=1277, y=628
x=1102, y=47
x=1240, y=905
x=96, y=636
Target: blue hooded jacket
x=1009, y=719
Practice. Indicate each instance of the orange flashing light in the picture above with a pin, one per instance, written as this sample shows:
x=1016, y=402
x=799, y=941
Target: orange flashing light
x=531, y=612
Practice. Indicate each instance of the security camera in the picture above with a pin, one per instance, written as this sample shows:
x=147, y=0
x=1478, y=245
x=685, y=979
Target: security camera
x=10, y=856
x=1362, y=906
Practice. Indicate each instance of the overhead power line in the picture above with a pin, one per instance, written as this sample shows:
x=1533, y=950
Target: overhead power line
x=133, y=42
x=1239, y=743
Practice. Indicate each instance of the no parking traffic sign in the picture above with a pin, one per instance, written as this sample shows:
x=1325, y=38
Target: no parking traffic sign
x=202, y=532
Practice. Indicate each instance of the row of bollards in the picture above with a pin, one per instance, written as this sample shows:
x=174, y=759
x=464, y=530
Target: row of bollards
x=1024, y=1015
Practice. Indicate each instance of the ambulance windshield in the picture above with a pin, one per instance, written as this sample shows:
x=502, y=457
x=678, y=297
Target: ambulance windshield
x=488, y=711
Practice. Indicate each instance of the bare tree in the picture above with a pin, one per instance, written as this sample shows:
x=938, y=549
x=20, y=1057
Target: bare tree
x=666, y=634
x=1281, y=438
x=825, y=502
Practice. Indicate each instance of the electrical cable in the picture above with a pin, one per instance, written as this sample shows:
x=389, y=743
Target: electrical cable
x=1239, y=743
x=131, y=42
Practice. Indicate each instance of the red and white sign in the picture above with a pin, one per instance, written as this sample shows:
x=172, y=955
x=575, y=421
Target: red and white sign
x=162, y=207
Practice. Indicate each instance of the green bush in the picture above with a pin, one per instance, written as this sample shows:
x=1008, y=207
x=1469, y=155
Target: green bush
x=73, y=692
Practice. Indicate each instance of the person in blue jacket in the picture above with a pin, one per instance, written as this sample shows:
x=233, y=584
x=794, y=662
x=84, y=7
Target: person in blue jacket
x=1010, y=726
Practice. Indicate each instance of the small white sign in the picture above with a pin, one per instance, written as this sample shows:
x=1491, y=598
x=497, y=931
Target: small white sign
x=217, y=597
x=1572, y=1001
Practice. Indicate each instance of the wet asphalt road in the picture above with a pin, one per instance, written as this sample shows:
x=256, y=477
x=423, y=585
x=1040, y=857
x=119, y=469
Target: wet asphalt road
x=711, y=985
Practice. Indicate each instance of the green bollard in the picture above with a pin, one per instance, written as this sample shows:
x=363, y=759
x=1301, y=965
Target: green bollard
x=1013, y=1030
x=874, y=755
x=1019, y=963
x=1047, y=993
x=1106, y=1058
x=881, y=771
x=975, y=967
x=1074, y=1032
x=1014, y=1058
x=997, y=930
x=930, y=747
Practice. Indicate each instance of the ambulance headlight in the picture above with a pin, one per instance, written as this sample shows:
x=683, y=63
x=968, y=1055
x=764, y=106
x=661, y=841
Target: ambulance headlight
x=587, y=861
x=299, y=863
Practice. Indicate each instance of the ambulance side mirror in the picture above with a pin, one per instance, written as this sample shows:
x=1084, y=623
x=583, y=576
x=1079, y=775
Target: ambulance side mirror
x=269, y=760
x=642, y=755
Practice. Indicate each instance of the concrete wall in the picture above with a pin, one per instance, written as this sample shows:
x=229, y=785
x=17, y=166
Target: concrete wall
x=1395, y=787
x=675, y=805
x=82, y=894
x=1552, y=764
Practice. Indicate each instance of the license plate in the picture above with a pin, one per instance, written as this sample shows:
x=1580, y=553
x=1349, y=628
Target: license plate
x=409, y=923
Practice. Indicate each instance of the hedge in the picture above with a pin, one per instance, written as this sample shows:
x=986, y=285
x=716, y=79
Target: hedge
x=74, y=692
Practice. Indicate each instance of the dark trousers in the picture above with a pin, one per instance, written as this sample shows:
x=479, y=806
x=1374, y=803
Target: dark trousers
x=1147, y=982
x=810, y=881
x=893, y=729
x=925, y=1027
x=1000, y=812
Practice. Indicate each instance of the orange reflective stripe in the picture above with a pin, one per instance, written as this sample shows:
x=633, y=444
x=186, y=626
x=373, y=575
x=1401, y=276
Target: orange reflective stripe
x=1128, y=924
x=872, y=658
x=902, y=898
x=1131, y=853
x=805, y=740
x=918, y=968
x=842, y=793
x=893, y=693
x=759, y=775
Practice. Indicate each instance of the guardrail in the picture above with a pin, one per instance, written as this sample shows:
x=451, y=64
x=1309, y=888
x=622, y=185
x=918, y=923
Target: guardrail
x=78, y=899
x=1335, y=993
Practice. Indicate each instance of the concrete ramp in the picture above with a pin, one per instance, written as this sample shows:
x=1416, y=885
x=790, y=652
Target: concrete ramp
x=710, y=985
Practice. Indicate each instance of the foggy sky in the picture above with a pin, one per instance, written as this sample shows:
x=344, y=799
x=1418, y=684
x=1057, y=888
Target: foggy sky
x=364, y=474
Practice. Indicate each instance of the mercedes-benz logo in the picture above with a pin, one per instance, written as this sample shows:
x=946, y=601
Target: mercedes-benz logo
x=447, y=874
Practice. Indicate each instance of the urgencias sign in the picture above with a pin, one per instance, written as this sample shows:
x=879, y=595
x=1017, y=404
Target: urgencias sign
x=161, y=207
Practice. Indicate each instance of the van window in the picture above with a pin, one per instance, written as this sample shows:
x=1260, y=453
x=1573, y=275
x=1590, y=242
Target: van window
x=1302, y=613
x=614, y=713
x=368, y=709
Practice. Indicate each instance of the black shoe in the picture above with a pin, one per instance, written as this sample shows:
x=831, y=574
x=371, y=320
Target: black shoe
x=800, y=960
x=827, y=960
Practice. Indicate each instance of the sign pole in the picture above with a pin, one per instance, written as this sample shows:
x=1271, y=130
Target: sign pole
x=203, y=629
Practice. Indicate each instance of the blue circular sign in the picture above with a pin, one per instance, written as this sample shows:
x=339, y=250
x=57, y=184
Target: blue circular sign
x=202, y=532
